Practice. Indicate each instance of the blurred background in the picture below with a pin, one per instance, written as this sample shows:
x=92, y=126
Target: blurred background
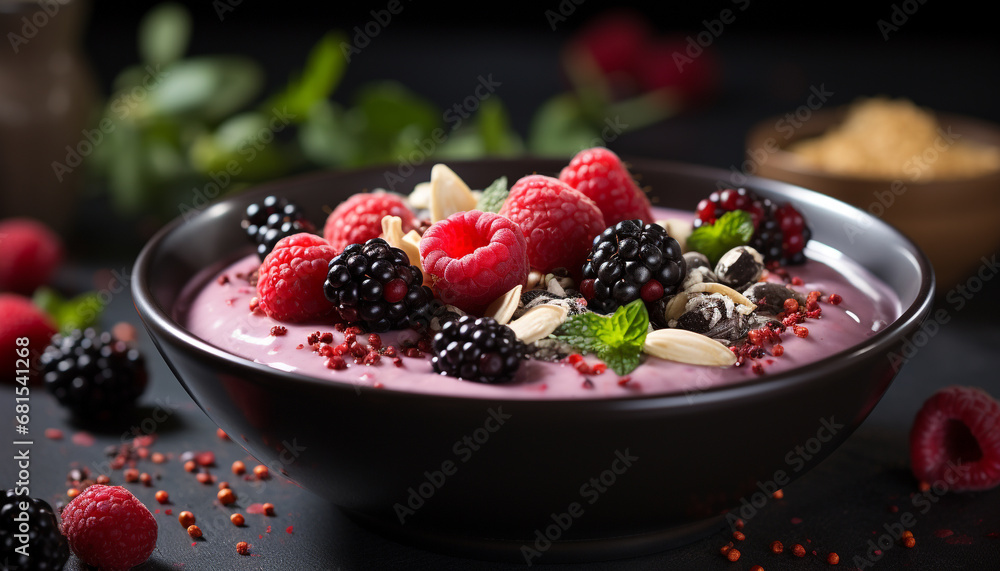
x=116, y=117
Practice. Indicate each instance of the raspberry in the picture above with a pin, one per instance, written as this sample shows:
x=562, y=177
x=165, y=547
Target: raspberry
x=955, y=438
x=558, y=222
x=693, y=82
x=290, y=285
x=473, y=258
x=600, y=175
x=46, y=548
x=614, y=41
x=359, y=218
x=29, y=253
x=109, y=528
x=22, y=318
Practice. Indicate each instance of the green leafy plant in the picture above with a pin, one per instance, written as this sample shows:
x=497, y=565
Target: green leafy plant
x=616, y=339
x=734, y=228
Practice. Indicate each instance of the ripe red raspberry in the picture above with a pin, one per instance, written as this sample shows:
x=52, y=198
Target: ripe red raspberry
x=290, y=285
x=29, y=254
x=600, y=175
x=955, y=439
x=558, y=222
x=109, y=528
x=612, y=42
x=359, y=218
x=22, y=318
x=665, y=64
x=473, y=258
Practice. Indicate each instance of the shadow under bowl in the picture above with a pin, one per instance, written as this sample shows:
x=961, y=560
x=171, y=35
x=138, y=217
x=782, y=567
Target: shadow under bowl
x=570, y=479
x=954, y=221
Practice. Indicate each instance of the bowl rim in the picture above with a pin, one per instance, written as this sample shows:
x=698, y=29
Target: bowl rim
x=787, y=162
x=160, y=322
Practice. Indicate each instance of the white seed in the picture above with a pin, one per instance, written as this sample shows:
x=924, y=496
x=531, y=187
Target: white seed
x=688, y=347
x=503, y=307
x=678, y=230
x=448, y=194
x=539, y=322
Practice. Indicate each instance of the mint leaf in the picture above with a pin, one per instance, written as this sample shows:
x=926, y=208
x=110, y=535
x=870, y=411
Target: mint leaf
x=732, y=229
x=79, y=312
x=494, y=196
x=616, y=339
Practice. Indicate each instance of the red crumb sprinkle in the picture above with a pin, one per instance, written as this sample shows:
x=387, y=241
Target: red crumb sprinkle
x=186, y=519
x=223, y=485
x=778, y=494
x=733, y=554
x=131, y=475
x=237, y=519
x=254, y=304
x=372, y=358
x=739, y=524
x=243, y=548
x=102, y=479
x=800, y=331
x=255, y=508
x=278, y=330
x=190, y=466
x=226, y=496
x=72, y=493
x=738, y=536
x=624, y=381
x=223, y=279
x=835, y=299
x=162, y=496
x=83, y=439
x=588, y=384
x=909, y=542
x=53, y=433
x=725, y=548
x=833, y=559
x=289, y=529
x=221, y=434
x=261, y=472
x=204, y=477
x=791, y=305
x=798, y=550
x=374, y=341
x=239, y=467
x=268, y=530
x=194, y=531
x=336, y=363
x=797, y=281
x=168, y=512
x=796, y=520
x=777, y=547
x=924, y=486
x=756, y=568
x=146, y=479
x=158, y=458
x=206, y=458
x=268, y=509
x=326, y=337
x=778, y=350
x=757, y=368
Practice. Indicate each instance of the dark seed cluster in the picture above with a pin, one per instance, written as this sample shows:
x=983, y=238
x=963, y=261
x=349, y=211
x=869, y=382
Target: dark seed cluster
x=93, y=374
x=477, y=349
x=274, y=218
x=374, y=285
x=631, y=261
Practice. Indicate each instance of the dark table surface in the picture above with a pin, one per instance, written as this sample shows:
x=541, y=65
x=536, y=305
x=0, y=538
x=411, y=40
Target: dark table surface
x=864, y=488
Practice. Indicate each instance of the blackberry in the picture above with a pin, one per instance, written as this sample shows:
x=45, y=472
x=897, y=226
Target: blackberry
x=780, y=232
x=47, y=547
x=631, y=261
x=477, y=349
x=271, y=220
x=93, y=374
x=374, y=285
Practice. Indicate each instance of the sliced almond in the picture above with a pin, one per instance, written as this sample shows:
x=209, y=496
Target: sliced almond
x=675, y=307
x=503, y=307
x=420, y=198
x=448, y=194
x=392, y=232
x=688, y=347
x=711, y=287
x=411, y=245
x=539, y=322
x=678, y=230
x=535, y=279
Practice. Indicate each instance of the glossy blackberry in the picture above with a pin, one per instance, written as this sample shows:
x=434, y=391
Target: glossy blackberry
x=93, y=374
x=631, y=261
x=46, y=548
x=375, y=286
x=271, y=220
x=780, y=232
x=477, y=349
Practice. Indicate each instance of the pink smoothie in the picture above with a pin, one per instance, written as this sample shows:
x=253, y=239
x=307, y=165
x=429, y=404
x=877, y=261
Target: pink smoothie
x=218, y=312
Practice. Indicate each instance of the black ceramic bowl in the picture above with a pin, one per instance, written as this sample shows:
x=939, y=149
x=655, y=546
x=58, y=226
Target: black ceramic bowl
x=605, y=478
